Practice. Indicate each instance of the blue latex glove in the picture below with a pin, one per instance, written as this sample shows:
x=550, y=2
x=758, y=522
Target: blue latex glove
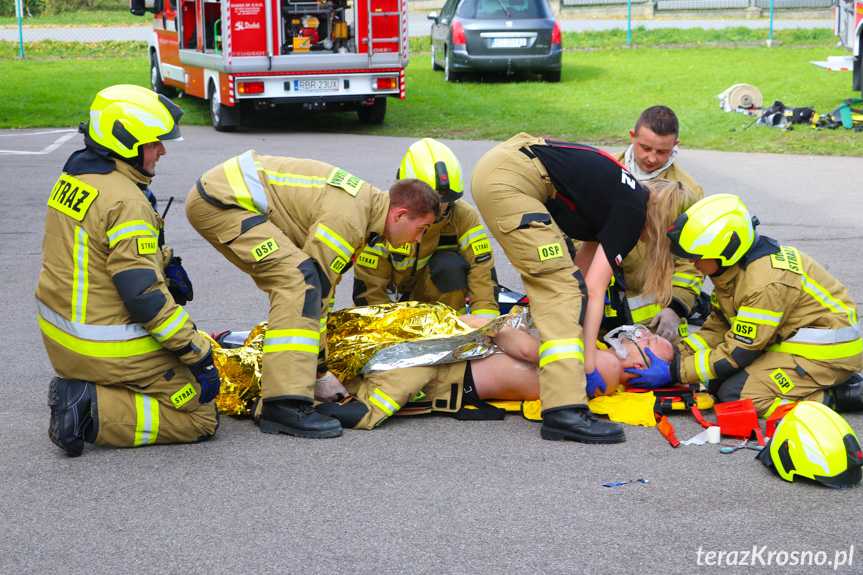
x=657, y=375
x=207, y=375
x=594, y=382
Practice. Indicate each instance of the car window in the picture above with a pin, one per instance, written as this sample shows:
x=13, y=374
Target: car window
x=494, y=9
x=448, y=9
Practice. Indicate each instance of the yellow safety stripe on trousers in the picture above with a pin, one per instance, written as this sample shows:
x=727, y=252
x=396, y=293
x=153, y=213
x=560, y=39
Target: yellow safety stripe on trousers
x=335, y=242
x=304, y=340
x=242, y=174
x=702, y=366
x=696, y=343
x=295, y=180
x=556, y=349
x=819, y=352
x=147, y=426
x=95, y=340
x=758, y=316
x=171, y=325
x=687, y=281
x=489, y=313
x=80, y=275
x=130, y=229
x=384, y=401
x=469, y=237
x=777, y=403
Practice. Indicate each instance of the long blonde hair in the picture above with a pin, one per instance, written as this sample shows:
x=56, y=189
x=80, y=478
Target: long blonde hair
x=667, y=201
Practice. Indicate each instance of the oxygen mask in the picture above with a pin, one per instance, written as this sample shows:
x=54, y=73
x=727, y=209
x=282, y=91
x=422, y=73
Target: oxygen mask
x=633, y=333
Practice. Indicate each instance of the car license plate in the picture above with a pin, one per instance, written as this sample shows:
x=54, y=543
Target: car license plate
x=316, y=85
x=508, y=42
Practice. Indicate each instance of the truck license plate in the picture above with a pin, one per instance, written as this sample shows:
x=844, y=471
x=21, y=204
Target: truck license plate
x=508, y=42
x=316, y=85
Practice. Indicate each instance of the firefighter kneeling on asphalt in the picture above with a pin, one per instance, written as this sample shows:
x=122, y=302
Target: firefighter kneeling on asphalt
x=133, y=369
x=781, y=329
x=294, y=225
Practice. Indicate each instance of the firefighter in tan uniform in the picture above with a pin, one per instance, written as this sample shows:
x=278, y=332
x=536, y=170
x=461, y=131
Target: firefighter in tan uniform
x=454, y=259
x=295, y=225
x=782, y=329
x=532, y=193
x=133, y=369
x=652, y=154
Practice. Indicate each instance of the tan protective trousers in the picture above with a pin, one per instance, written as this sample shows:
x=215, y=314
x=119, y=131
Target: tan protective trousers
x=776, y=378
x=510, y=189
x=285, y=373
x=138, y=414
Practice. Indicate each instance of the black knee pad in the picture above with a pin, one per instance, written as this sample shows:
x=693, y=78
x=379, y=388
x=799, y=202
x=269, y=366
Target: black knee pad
x=448, y=272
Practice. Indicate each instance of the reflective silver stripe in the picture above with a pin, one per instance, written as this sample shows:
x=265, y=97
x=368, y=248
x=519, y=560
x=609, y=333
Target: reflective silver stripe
x=376, y=249
x=130, y=230
x=146, y=426
x=424, y=262
x=640, y=301
x=93, y=332
x=404, y=264
x=80, y=275
x=249, y=170
x=477, y=233
x=826, y=336
x=163, y=332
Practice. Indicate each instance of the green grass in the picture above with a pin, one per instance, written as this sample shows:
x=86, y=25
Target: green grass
x=601, y=93
x=109, y=13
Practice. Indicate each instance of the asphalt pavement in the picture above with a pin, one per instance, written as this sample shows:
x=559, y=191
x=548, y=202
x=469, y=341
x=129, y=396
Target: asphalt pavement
x=423, y=494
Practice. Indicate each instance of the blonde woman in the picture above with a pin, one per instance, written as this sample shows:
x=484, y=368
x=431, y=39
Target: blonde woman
x=532, y=194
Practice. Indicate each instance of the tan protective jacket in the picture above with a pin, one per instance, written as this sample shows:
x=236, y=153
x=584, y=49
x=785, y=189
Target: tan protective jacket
x=461, y=232
x=686, y=281
x=784, y=302
x=325, y=211
x=105, y=311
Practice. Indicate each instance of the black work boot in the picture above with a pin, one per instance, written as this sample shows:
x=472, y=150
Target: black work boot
x=73, y=406
x=846, y=397
x=297, y=417
x=579, y=424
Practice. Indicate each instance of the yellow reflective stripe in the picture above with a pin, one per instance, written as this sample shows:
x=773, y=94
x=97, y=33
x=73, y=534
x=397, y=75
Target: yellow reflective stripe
x=238, y=185
x=334, y=241
x=759, y=316
x=304, y=340
x=469, y=237
x=687, y=281
x=423, y=262
x=702, y=366
x=814, y=351
x=644, y=313
x=323, y=328
x=130, y=229
x=99, y=348
x=80, y=275
x=556, y=349
x=489, y=313
x=404, y=264
x=824, y=297
x=295, y=180
x=171, y=325
x=778, y=402
x=696, y=342
x=384, y=401
x=147, y=426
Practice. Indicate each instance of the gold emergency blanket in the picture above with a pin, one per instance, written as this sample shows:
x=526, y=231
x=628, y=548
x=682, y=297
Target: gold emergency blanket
x=240, y=372
x=407, y=334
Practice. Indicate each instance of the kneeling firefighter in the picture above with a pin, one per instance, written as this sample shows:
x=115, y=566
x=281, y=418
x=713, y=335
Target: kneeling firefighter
x=454, y=260
x=133, y=369
x=782, y=329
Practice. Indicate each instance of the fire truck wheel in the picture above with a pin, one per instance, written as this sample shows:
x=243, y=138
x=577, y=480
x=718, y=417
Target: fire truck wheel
x=373, y=114
x=156, y=79
x=224, y=118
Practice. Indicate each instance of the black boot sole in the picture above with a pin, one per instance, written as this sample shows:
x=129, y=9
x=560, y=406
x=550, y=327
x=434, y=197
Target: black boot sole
x=553, y=434
x=54, y=402
x=274, y=428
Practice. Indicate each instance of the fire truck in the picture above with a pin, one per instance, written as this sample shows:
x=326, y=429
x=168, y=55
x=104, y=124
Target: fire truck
x=848, y=24
x=249, y=55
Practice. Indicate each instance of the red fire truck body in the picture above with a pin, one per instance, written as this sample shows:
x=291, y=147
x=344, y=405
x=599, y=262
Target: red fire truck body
x=848, y=25
x=256, y=54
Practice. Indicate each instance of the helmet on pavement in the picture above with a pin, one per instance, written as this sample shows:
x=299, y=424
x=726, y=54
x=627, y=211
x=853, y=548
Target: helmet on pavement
x=435, y=164
x=814, y=441
x=123, y=117
x=717, y=227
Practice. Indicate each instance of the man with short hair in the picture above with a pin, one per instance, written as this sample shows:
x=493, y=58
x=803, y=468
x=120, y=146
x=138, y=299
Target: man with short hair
x=294, y=226
x=651, y=155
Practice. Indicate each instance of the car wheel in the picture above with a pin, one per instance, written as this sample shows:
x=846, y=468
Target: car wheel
x=373, y=114
x=156, y=79
x=224, y=119
x=435, y=67
x=551, y=76
x=448, y=73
